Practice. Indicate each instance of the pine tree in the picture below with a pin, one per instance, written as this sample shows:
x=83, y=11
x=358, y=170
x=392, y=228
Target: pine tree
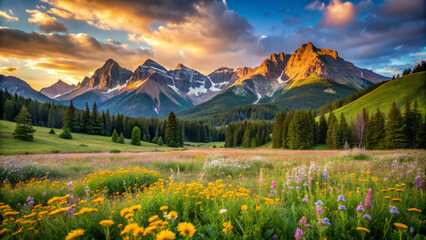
x=277, y=132
x=119, y=125
x=85, y=120
x=286, y=123
x=394, y=133
x=360, y=127
x=70, y=119
x=253, y=142
x=24, y=130
x=343, y=131
x=332, y=139
x=114, y=136
x=322, y=130
x=298, y=132
x=136, y=136
x=173, y=131
x=408, y=124
x=121, y=138
x=417, y=125
x=160, y=141
x=375, y=134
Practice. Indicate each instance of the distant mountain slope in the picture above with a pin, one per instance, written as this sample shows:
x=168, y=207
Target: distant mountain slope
x=412, y=85
x=235, y=96
x=20, y=87
x=57, y=89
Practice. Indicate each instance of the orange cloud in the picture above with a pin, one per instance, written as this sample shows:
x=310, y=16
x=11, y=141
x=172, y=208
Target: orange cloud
x=45, y=22
x=338, y=14
x=7, y=17
x=8, y=69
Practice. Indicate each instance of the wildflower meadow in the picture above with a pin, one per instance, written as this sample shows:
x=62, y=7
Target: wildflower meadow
x=215, y=194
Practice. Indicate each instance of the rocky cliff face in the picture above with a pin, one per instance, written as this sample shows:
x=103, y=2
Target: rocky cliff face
x=57, y=89
x=109, y=76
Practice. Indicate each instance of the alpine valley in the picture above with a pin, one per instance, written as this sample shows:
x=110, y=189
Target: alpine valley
x=309, y=78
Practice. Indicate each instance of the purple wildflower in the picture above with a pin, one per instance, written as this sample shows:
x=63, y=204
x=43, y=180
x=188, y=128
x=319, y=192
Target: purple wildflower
x=298, y=234
x=274, y=185
x=342, y=207
x=393, y=210
x=302, y=221
x=360, y=208
x=367, y=216
x=275, y=236
x=318, y=210
x=411, y=229
x=319, y=202
x=308, y=226
x=326, y=221
x=298, y=188
x=70, y=185
x=305, y=184
x=305, y=199
x=368, y=202
x=419, y=183
x=44, y=193
x=341, y=198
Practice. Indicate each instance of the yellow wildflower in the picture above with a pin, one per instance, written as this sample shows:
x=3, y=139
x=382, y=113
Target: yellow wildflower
x=153, y=218
x=166, y=235
x=363, y=229
x=414, y=210
x=74, y=234
x=106, y=223
x=401, y=225
x=186, y=229
x=244, y=208
x=227, y=227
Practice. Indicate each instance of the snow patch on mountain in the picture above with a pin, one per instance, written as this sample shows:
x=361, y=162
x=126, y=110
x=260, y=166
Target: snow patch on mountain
x=197, y=91
x=258, y=98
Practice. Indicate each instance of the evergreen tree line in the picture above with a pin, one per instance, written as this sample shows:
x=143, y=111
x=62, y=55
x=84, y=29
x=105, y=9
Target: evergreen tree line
x=299, y=130
x=248, y=134
x=91, y=121
x=418, y=68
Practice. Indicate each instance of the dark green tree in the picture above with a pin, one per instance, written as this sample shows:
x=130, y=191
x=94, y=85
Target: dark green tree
x=417, y=125
x=343, y=131
x=160, y=141
x=52, y=131
x=114, y=136
x=332, y=139
x=66, y=134
x=70, y=120
x=136, y=136
x=375, y=134
x=394, y=133
x=24, y=129
x=253, y=143
x=173, y=131
x=277, y=131
x=121, y=138
x=85, y=120
x=322, y=130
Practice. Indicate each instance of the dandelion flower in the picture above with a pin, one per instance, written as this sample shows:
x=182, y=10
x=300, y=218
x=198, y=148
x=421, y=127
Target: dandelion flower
x=138, y=231
x=3, y=231
x=401, y=225
x=129, y=228
x=163, y=208
x=414, y=210
x=153, y=218
x=166, y=235
x=106, y=223
x=186, y=229
x=363, y=229
x=74, y=234
x=397, y=199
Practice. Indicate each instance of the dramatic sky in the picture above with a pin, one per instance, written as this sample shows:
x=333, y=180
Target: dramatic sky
x=42, y=41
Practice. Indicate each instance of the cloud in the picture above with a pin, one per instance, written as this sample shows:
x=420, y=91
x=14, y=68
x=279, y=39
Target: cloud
x=7, y=17
x=316, y=5
x=8, y=69
x=76, y=55
x=200, y=29
x=402, y=7
x=45, y=22
x=338, y=14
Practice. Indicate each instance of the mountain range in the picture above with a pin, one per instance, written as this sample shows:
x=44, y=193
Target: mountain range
x=308, y=78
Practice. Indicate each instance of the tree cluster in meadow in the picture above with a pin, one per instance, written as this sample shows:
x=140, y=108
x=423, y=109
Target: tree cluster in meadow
x=91, y=121
x=248, y=134
x=299, y=130
x=418, y=68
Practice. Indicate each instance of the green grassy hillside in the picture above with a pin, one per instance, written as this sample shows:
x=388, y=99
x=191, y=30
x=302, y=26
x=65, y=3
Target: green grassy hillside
x=49, y=143
x=413, y=86
x=313, y=95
